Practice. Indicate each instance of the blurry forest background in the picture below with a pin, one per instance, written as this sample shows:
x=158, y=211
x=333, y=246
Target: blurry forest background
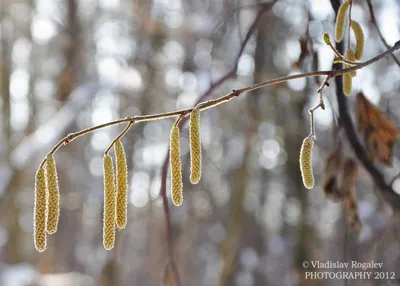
x=68, y=65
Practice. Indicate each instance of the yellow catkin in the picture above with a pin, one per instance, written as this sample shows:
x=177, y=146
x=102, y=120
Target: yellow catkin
x=109, y=204
x=340, y=21
x=53, y=203
x=349, y=55
x=195, y=146
x=347, y=84
x=306, y=163
x=40, y=212
x=176, y=168
x=359, y=34
x=121, y=185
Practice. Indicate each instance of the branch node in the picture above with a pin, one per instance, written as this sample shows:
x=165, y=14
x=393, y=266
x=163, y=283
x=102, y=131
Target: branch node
x=235, y=93
x=69, y=138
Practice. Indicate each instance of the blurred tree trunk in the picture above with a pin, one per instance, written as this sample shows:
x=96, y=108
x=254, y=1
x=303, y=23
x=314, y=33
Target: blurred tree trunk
x=229, y=246
x=6, y=39
x=73, y=51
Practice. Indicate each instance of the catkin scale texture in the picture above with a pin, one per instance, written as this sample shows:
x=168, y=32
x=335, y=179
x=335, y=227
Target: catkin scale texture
x=359, y=35
x=53, y=193
x=195, y=146
x=340, y=21
x=176, y=168
x=40, y=212
x=109, y=204
x=306, y=163
x=121, y=185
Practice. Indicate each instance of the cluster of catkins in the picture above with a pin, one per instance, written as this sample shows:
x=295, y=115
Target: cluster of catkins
x=47, y=203
x=47, y=198
x=350, y=55
x=175, y=156
x=115, y=194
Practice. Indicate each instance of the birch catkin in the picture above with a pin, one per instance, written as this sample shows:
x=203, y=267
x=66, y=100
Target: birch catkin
x=53, y=203
x=40, y=212
x=358, y=32
x=306, y=163
x=195, y=146
x=340, y=20
x=109, y=204
x=176, y=168
x=121, y=185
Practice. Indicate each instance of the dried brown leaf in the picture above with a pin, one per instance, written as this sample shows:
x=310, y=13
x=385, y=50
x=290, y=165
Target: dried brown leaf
x=380, y=133
x=332, y=169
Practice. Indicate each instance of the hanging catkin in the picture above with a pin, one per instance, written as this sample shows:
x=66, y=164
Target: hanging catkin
x=306, y=163
x=358, y=32
x=347, y=78
x=109, y=204
x=40, y=212
x=340, y=20
x=347, y=83
x=121, y=185
x=176, y=169
x=195, y=146
x=53, y=202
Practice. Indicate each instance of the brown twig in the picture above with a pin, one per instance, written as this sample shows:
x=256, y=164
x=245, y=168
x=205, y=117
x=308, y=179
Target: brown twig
x=340, y=56
x=119, y=136
x=212, y=103
x=319, y=105
x=375, y=23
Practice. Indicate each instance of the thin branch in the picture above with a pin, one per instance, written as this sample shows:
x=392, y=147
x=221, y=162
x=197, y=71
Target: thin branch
x=215, y=102
x=319, y=105
x=375, y=23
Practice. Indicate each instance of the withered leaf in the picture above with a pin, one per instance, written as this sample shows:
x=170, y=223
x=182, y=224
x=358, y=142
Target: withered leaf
x=332, y=168
x=380, y=133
